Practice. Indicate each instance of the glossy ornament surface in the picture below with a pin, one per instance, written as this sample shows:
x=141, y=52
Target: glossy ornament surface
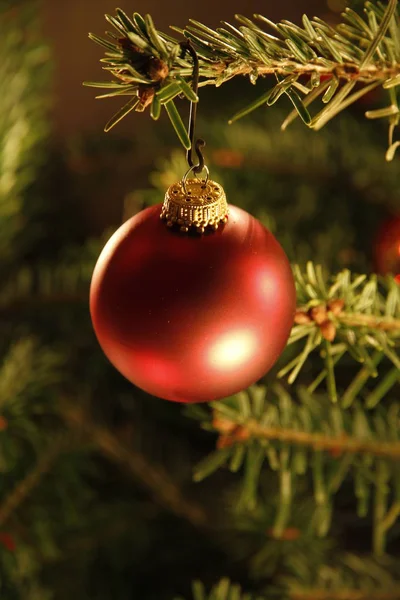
x=190, y=317
x=387, y=248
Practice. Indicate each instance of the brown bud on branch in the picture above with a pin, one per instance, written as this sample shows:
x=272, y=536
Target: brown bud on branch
x=318, y=314
x=302, y=318
x=336, y=306
x=328, y=330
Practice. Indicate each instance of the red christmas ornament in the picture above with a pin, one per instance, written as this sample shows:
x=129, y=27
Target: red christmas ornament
x=192, y=317
x=387, y=248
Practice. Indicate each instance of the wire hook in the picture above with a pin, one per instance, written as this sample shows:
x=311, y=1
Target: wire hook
x=199, y=143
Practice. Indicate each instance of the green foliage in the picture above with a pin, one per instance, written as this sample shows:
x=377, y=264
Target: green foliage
x=310, y=63
x=346, y=576
x=367, y=327
x=224, y=590
x=24, y=61
x=63, y=283
x=28, y=372
x=268, y=552
x=303, y=436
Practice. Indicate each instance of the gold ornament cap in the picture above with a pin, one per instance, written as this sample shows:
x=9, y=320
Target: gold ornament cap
x=195, y=205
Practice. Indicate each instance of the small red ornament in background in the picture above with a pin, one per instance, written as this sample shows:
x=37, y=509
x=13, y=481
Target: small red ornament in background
x=7, y=540
x=387, y=248
x=190, y=317
x=290, y=534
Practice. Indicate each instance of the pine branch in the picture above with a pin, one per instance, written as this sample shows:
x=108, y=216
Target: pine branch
x=346, y=577
x=360, y=315
x=308, y=433
x=309, y=63
x=154, y=478
x=224, y=590
x=336, y=587
x=24, y=123
x=315, y=441
x=27, y=367
x=25, y=487
x=369, y=321
x=344, y=594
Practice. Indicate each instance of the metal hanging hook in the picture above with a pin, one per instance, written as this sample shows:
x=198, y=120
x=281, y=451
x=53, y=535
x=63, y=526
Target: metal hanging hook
x=199, y=143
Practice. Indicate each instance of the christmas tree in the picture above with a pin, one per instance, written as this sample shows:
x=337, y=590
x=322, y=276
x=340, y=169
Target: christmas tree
x=296, y=486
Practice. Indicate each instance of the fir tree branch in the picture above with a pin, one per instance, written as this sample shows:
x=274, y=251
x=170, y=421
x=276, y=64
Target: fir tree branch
x=361, y=315
x=315, y=441
x=150, y=66
x=24, y=122
x=343, y=594
x=370, y=321
x=25, y=487
x=225, y=590
x=345, y=576
x=163, y=489
x=306, y=434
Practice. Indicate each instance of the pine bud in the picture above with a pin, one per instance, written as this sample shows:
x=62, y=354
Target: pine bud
x=224, y=441
x=126, y=44
x=146, y=95
x=157, y=69
x=336, y=306
x=336, y=452
x=288, y=534
x=318, y=314
x=328, y=330
x=242, y=434
x=222, y=424
x=301, y=318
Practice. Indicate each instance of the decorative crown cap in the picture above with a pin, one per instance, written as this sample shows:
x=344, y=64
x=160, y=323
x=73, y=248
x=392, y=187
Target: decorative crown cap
x=195, y=204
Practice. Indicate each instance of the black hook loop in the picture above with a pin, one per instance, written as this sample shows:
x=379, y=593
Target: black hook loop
x=199, y=143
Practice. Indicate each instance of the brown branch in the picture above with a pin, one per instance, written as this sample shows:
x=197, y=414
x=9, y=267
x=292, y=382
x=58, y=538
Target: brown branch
x=32, y=479
x=320, y=314
x=371, y=321
x=345, y=71
x=154, y=478
x=316, y=441
x=316, y=594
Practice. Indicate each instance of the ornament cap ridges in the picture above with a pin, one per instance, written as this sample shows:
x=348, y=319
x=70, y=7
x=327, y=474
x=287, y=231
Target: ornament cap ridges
x=195, y=204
